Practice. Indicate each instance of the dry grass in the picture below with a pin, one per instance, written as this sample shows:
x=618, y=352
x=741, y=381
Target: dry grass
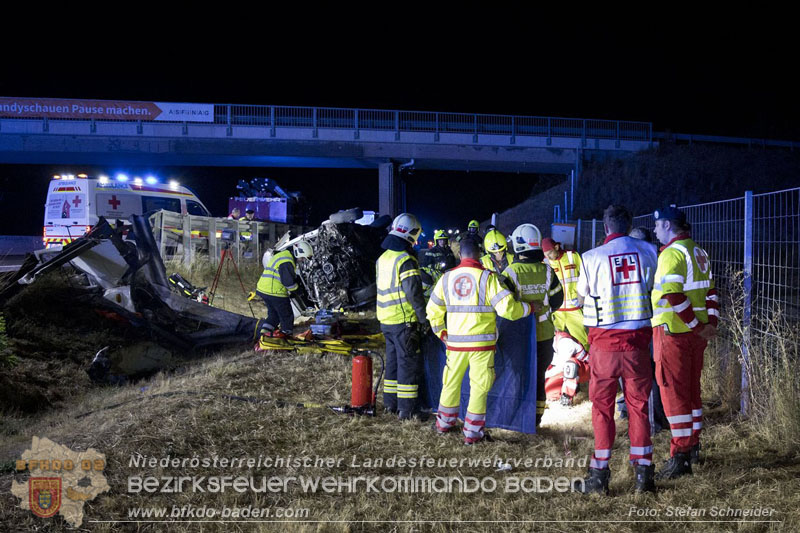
x=750, y=463
x=741, y=470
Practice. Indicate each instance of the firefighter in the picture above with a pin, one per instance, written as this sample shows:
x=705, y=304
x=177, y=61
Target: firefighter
x=534, y=282
x=615, y=283
x=685, y=314
x=277, y=281
x=249, y=214
x=401, y=312
x=462, y=314
x=437, y=259
x=567, y=266
x=497, y=257
x=472, y=235
x=570, y=367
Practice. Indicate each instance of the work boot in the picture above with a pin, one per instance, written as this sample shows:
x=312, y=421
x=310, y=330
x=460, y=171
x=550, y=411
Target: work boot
x=486, y=438
x=416, y=414
x=595, y=483
x=677, y=466
x=444, y=433
x=694, y=455
x=645, y=478
x=566, y=401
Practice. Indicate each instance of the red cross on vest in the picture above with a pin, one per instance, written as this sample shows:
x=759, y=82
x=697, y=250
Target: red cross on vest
x=625, y=268
x=114, y=202
x=702, y=259
x=463, y=286
x=77, y=201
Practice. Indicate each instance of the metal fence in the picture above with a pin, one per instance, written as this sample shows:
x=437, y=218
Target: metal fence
x=405, y=121
x=755, y=239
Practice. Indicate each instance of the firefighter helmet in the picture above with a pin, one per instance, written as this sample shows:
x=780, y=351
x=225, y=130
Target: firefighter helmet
x=494, y=242
x=302, y=249
x=407, y=227
x=526, y=237
x=473, y=224
x=439, y=235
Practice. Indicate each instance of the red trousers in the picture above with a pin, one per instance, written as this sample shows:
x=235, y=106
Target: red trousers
x=556, y=384
x=636, y=372
x=679, y=362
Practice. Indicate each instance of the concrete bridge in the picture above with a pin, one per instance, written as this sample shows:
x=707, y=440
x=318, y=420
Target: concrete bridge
x=101, y=132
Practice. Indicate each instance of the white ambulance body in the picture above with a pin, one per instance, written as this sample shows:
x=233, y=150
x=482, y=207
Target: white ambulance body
x=74, y=204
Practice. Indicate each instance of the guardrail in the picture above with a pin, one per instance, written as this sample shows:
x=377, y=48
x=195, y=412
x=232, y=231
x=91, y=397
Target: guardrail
x=185, y=237
x=401, y=121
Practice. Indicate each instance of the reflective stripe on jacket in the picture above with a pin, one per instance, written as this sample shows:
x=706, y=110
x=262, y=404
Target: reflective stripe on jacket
x=393, y=306
x=683, y=267
x=465, y=303
x=617, y=278
x=567, y=269
x=532, y=282
x=270, y=282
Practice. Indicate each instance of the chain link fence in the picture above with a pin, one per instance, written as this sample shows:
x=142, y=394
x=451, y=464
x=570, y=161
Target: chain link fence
x=754, y=246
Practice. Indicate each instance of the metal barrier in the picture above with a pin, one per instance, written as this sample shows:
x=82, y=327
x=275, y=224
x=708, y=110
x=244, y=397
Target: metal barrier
x=403, y=121
x=183, y=237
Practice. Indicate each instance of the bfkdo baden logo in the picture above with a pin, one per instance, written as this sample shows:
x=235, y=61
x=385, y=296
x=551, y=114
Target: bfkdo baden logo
x=60, y=481
x=45, y=495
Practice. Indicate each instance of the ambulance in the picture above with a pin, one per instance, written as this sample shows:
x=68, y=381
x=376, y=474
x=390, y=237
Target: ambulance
x=74, y=203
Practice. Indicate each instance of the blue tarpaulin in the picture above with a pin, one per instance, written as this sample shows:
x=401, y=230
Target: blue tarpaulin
x=512, y=400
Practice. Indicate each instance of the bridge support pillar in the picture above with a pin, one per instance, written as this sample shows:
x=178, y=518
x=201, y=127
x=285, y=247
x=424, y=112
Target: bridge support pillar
x=389, y=200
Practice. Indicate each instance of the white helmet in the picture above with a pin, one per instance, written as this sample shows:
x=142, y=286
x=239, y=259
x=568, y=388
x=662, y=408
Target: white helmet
x=302, y=249
x=407, y=227
x=526, y=237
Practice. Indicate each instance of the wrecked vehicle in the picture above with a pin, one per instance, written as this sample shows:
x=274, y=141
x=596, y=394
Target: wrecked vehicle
x=127, y=279
x=341, y=273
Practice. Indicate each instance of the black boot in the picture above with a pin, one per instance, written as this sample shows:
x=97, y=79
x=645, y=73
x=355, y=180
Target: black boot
x=677, y=466
x=645, y=478
x=694, y=455
x=595, y=482
x=566, y=401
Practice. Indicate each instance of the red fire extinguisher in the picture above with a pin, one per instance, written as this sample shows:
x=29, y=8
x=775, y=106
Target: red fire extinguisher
x=361, y=392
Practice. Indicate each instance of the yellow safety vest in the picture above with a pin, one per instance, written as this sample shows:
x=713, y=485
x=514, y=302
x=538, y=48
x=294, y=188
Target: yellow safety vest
x=567, y=269
x=683, y=267
x=488, y=263
x=270, y=282
x=466, y=302
x=392, y=306
x=532, y=282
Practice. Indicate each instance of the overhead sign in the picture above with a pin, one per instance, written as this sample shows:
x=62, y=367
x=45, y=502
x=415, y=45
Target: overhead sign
x=104, y=110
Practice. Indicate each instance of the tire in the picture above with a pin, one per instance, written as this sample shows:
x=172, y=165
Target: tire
x=349, y=215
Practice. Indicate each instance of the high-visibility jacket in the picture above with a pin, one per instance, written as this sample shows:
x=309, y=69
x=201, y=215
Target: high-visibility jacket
x=393, y=305
x=465, y=302
x=616, y=279
x=532, y=282
x=567, y=268
x=270, y=282
x=683, y=267
x=488, y=262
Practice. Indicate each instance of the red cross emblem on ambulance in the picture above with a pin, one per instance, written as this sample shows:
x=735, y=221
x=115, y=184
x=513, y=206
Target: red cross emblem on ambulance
x=464, y=286
x=624, y=268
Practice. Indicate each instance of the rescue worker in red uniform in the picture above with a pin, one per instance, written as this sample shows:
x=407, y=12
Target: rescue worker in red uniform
x=462, y=313
x=569, y=368
x=685, y=314
x=615, y=283
x=401, y=312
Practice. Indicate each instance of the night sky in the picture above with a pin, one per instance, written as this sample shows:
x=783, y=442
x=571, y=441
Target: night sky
x=697, y=76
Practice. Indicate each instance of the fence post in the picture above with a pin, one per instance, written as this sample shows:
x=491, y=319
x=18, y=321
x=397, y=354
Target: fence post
x=213, y=255
x=748, y=299
x=594, y=233
x=578, y=238
x=187, y=240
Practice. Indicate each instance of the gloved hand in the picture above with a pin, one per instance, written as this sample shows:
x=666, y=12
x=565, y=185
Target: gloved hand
x=423, y=328
x=707, y=332
x=443, y=336
x=537, y=306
